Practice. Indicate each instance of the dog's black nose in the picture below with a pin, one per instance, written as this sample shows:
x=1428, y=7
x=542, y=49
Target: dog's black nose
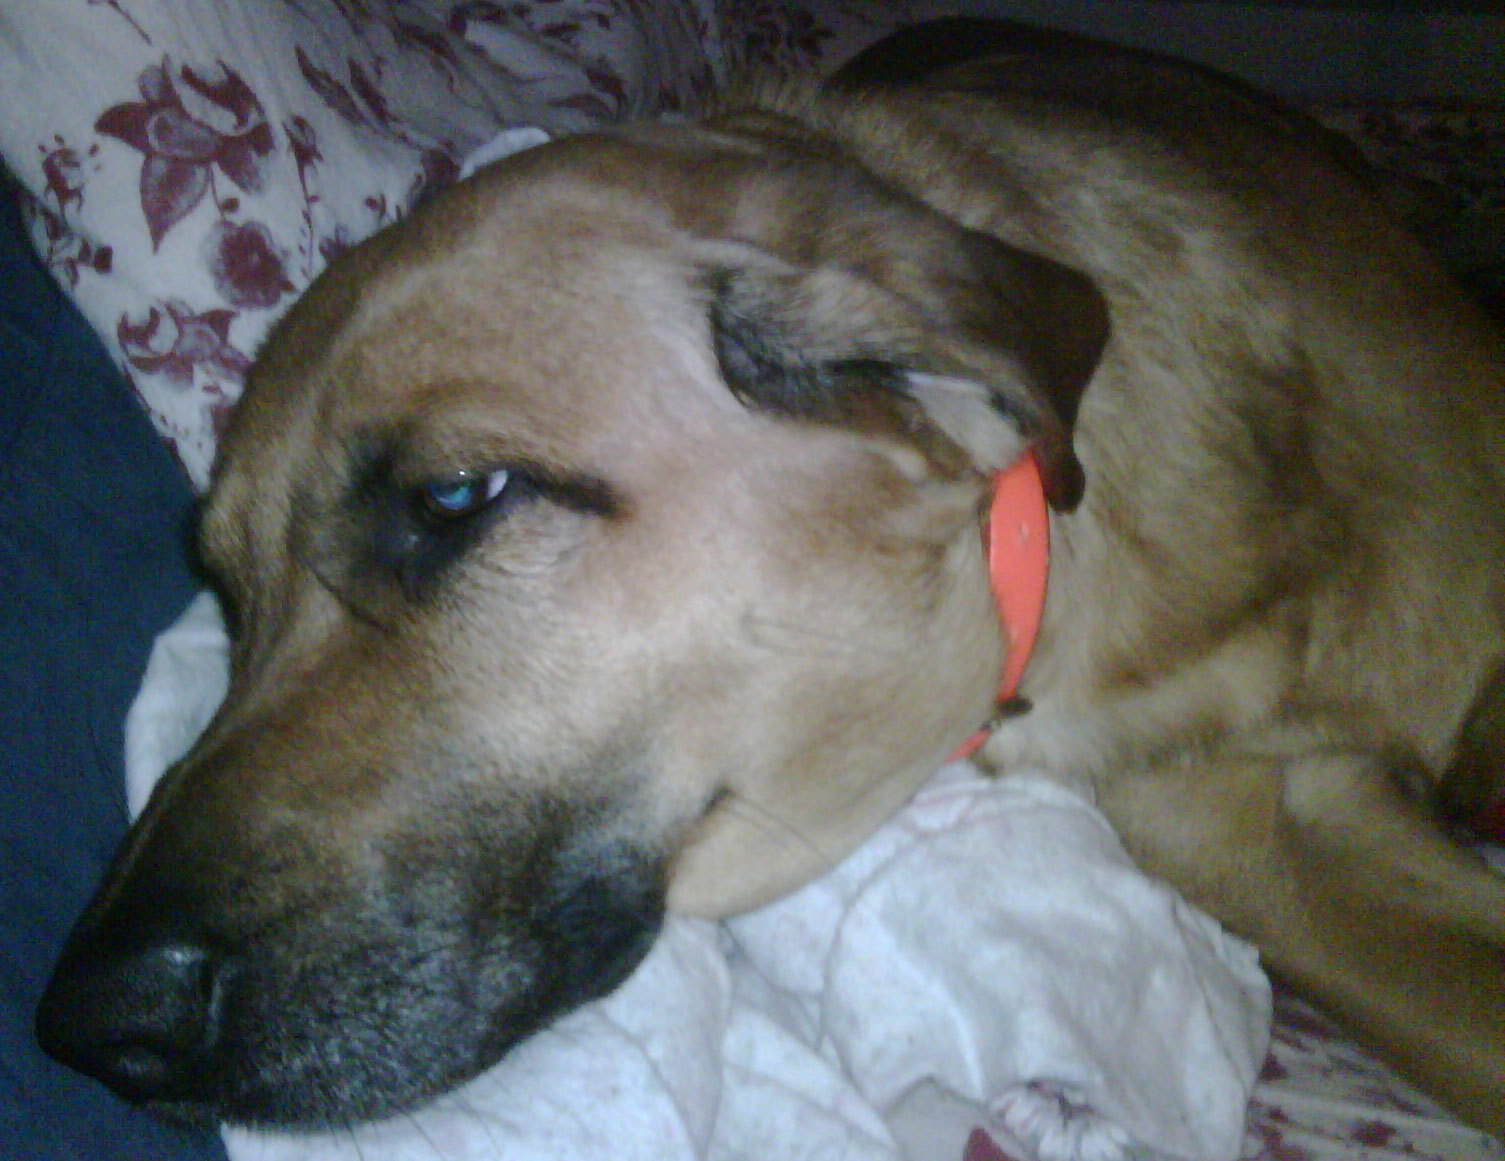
x=142, y=1020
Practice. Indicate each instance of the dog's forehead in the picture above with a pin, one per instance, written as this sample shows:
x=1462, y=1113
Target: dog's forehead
x=559, y=283
x=542, y=296
x=541, y=318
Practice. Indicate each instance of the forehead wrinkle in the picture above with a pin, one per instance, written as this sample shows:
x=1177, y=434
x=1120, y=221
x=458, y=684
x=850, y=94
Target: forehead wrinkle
x=604, y=360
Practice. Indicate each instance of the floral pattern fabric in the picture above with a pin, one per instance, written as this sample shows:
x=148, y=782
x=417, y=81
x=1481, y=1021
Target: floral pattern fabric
x=1320, y=1098
x=188, y=166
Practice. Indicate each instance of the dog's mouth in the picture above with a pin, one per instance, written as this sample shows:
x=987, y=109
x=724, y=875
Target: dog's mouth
x=328, y=1015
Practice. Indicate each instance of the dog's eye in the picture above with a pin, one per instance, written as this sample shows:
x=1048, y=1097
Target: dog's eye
x=461, y=495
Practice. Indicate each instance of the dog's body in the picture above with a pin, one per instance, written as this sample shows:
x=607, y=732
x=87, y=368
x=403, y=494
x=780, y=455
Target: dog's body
x=609, y=530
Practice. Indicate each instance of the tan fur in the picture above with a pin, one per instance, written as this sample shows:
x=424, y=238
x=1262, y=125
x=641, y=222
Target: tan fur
x=1269, y=614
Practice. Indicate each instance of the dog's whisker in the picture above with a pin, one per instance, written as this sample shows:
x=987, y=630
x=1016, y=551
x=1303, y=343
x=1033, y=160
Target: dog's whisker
x=348, y=1129
x=423, y=1132
x=460, y=1104
x=775, y=635
x=463, y=1104
x=771, y=823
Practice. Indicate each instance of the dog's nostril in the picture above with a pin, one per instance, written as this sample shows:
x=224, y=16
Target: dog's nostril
x=135, y=1068
x=144, y=1022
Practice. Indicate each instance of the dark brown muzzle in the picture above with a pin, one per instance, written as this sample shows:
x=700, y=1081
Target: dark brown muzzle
x=273, y=967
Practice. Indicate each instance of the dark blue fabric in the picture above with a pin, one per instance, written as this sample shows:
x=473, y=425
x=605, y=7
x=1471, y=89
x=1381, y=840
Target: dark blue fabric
x=92, y=567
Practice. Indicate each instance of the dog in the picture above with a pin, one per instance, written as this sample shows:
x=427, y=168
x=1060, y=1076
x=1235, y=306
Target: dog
x=605, y=538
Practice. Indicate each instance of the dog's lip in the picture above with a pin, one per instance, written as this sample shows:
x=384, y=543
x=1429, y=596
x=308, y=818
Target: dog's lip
x=588, y=936
x=718, y=798
x=315, y=1099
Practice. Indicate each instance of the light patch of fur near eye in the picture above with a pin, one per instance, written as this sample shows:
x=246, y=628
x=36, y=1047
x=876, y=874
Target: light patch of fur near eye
x=965, y=412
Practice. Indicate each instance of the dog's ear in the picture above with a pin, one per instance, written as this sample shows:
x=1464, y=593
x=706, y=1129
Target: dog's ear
x=876, y=312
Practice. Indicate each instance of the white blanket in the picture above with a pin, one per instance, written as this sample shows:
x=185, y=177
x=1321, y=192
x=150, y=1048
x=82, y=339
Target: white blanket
x=989, y=961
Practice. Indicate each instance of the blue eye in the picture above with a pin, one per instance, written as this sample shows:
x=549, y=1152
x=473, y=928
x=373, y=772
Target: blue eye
x=462, y=494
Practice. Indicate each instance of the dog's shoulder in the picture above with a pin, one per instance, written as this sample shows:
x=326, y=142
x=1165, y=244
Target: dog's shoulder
x=1055, y=73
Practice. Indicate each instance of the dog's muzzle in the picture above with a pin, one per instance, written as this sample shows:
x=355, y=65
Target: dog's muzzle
x=343, y=1005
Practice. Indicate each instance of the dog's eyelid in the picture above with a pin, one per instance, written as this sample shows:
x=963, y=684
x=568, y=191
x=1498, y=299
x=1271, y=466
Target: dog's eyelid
x=398, y=460
x=420, y=525
x=583, y=492
x=464, y=495
x=588, y=494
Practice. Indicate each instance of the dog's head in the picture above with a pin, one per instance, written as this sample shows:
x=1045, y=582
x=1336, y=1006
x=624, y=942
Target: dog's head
x=605, y=534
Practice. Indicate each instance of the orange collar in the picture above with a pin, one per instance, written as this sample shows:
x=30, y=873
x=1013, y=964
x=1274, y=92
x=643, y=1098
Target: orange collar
x=1016, y=541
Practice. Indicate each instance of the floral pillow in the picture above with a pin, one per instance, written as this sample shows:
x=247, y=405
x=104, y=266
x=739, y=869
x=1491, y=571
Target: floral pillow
x=188, y=166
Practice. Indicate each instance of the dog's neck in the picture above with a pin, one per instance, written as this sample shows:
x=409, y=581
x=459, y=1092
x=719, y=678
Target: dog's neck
x=1016, y=542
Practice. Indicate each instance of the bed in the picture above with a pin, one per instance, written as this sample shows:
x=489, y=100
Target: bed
x=181, y=169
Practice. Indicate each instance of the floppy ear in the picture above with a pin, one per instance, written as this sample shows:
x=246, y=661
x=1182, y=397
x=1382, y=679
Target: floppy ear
x=867, y=308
